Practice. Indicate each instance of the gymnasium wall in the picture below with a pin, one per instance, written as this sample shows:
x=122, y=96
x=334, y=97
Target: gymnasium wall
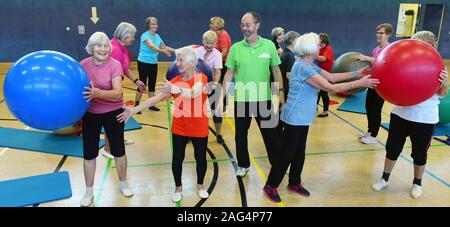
x=31, y=25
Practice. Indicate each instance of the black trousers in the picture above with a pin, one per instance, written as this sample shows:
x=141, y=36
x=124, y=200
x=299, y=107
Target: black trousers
x=419, y=133
x=179, y=148
x=92, y=126
x=325, y=98
x=148, y=74
x=374, y=106
x=292, y=153
x=267, y=123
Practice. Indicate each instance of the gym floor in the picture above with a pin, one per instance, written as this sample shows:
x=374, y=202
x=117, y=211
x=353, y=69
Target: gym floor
x=338, y=171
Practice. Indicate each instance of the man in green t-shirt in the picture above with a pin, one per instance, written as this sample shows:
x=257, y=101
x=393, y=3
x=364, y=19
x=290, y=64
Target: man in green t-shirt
x=249, y=62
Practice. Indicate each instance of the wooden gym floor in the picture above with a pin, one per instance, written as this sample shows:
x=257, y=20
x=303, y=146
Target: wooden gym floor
x=338, y=171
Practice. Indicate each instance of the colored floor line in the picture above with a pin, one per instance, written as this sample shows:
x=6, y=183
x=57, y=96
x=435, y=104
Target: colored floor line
x=252, y=159
x=434, y=176
x=98, y=197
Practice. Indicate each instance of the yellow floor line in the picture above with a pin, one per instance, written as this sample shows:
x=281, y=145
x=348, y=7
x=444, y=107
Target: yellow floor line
x=252, y=158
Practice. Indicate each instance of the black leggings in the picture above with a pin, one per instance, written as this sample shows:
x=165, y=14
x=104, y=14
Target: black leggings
x=179, y=147
x=92, y=126
x=148, y=74
x=292, y=153
x=374, y=106
x=419, y=133
x=325, y=98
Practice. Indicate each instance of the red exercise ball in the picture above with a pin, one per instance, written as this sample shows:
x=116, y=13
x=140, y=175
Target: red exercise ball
x=408, y=71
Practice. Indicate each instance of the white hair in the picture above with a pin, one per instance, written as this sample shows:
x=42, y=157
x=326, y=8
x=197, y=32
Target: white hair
x=98, y=38
x=188, y=54
x=124, y=30
x=276, y=32
x=307, y=44
x=426, y=36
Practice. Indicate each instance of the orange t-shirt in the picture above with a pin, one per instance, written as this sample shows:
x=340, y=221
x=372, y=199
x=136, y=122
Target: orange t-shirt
x=189, y=115
x=223, y=41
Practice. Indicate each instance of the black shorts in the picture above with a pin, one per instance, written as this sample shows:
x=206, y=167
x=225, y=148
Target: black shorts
x=92, y=126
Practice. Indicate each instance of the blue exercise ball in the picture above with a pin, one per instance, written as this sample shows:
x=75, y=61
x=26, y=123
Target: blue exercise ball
x=172, y=71
x=44, y=90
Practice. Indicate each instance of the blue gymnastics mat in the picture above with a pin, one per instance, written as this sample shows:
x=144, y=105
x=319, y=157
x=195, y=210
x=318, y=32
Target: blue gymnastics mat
x=355, y=103
x=35, y=189
x=45, y=142
x=131, y=124
x=441, y=130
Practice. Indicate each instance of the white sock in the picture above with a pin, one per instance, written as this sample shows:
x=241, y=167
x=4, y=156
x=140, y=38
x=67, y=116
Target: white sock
x=123, y=184
x=89, y=192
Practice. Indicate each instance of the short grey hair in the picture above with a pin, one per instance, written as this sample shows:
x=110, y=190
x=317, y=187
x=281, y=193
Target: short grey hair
x=188, y=54
x=276, y=32
x=291, y=36
x=124, y=30
x=427, y=37
x=307, y=44
x=149, y=20
x=98, y=38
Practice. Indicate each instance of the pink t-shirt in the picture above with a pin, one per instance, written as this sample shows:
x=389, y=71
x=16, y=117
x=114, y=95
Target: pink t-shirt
x=120, y=53
x=101, y=76
x=376, y=51
x=214, y=60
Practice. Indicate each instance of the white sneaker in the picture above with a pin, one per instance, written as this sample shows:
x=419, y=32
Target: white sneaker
x=128, y=142
x=87, y=200
x=126, y=191
x=416, y=191
x=241, y=171
x=362, y=135
x=107, y=154
x=203, y=194
x=177, y=197
x=379, y=185
x=369, y=140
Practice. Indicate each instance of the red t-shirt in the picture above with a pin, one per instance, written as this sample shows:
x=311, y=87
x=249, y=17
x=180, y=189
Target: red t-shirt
x=327, y=65
x=189, y=116
x=223, y=41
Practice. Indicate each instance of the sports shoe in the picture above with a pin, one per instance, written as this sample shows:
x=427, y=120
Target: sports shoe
x=272, y=193
x=126, y=190
x=369, y=140
x=203, y=193
x=380, y=185
x=107, y=154
x=324, y=114
x=366, y=134
x=220, y=139
x=128, y=142
x=87, y=200
x=177, y=197
x=154, y=108
x=241, y=171
x=416, y=191
x=299, y=189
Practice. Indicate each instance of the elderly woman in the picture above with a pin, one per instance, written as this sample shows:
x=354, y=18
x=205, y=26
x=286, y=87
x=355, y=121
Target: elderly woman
x=151, y=46
x=190, y=121
x=287, y=60
x=123, y=37
x=213, y=59
x=299, y=112
x=106, y=99
x=278, y=37
x=418, y=122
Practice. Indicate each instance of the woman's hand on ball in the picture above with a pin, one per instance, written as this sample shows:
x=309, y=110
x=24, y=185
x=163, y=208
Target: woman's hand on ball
x=92, y=92
x=443, y=78
x=366, y=81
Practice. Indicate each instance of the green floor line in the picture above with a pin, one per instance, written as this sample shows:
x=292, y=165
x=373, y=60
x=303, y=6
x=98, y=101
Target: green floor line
x=103, y=182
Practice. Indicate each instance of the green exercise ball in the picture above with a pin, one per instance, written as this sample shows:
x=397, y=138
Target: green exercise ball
x=444, y=110
x=348, y=63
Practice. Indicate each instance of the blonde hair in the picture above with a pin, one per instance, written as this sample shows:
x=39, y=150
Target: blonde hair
x=427, y=37
x=210, y=36
x=98, y=38
x=218, y=21
x=276, y=32
x=124, y=30
x=307, y=44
